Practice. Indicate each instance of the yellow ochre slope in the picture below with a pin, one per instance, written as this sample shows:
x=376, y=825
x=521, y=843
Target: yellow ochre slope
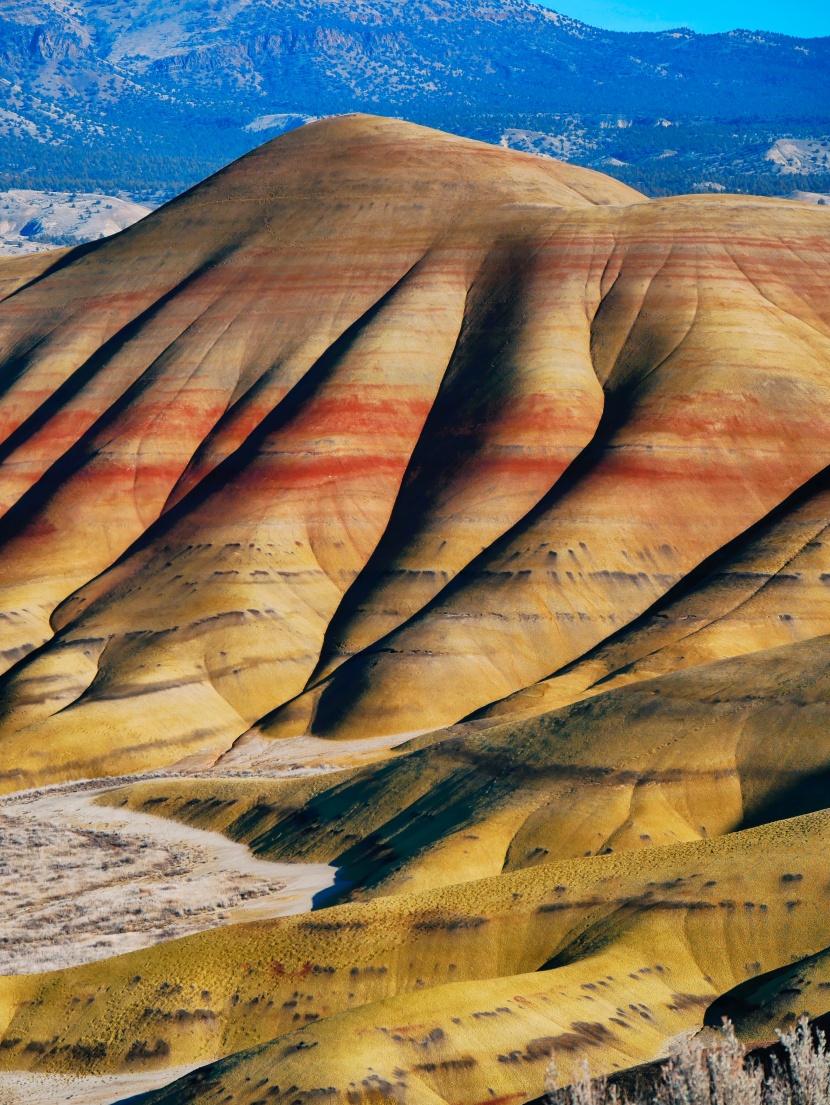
x=479, y=982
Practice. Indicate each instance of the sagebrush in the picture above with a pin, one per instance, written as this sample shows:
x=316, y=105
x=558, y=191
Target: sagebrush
x=715, y=1073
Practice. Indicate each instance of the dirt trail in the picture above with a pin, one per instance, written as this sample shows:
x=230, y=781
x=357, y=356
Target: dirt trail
x=60, y=1089
x=80, y=882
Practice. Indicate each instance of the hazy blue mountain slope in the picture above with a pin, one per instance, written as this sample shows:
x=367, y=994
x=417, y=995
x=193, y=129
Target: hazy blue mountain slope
x=151, y=96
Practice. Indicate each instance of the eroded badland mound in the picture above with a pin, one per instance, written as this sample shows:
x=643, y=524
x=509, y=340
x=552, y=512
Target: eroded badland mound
x=516, y=479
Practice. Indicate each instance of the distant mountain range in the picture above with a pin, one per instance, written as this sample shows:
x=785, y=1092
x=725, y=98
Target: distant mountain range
x=146, y=98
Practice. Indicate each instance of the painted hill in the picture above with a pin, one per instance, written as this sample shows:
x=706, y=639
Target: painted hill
x=377, y=410
x=289, y=325
x=486, y=469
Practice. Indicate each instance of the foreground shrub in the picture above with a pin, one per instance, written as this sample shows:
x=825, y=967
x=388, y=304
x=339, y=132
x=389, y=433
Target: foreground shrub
x=795, y=1072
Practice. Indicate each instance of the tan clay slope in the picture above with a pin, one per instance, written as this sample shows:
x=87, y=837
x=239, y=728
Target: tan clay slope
x=776, y=999
x=271, y=343
x=698, y=753
x=709, y=333
x=620, y=952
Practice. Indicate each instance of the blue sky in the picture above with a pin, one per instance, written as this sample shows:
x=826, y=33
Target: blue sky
x=805, y=18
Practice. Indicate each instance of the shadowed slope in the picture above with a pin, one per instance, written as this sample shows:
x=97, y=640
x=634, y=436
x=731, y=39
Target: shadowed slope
x=521, y=402
x=17, y=272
